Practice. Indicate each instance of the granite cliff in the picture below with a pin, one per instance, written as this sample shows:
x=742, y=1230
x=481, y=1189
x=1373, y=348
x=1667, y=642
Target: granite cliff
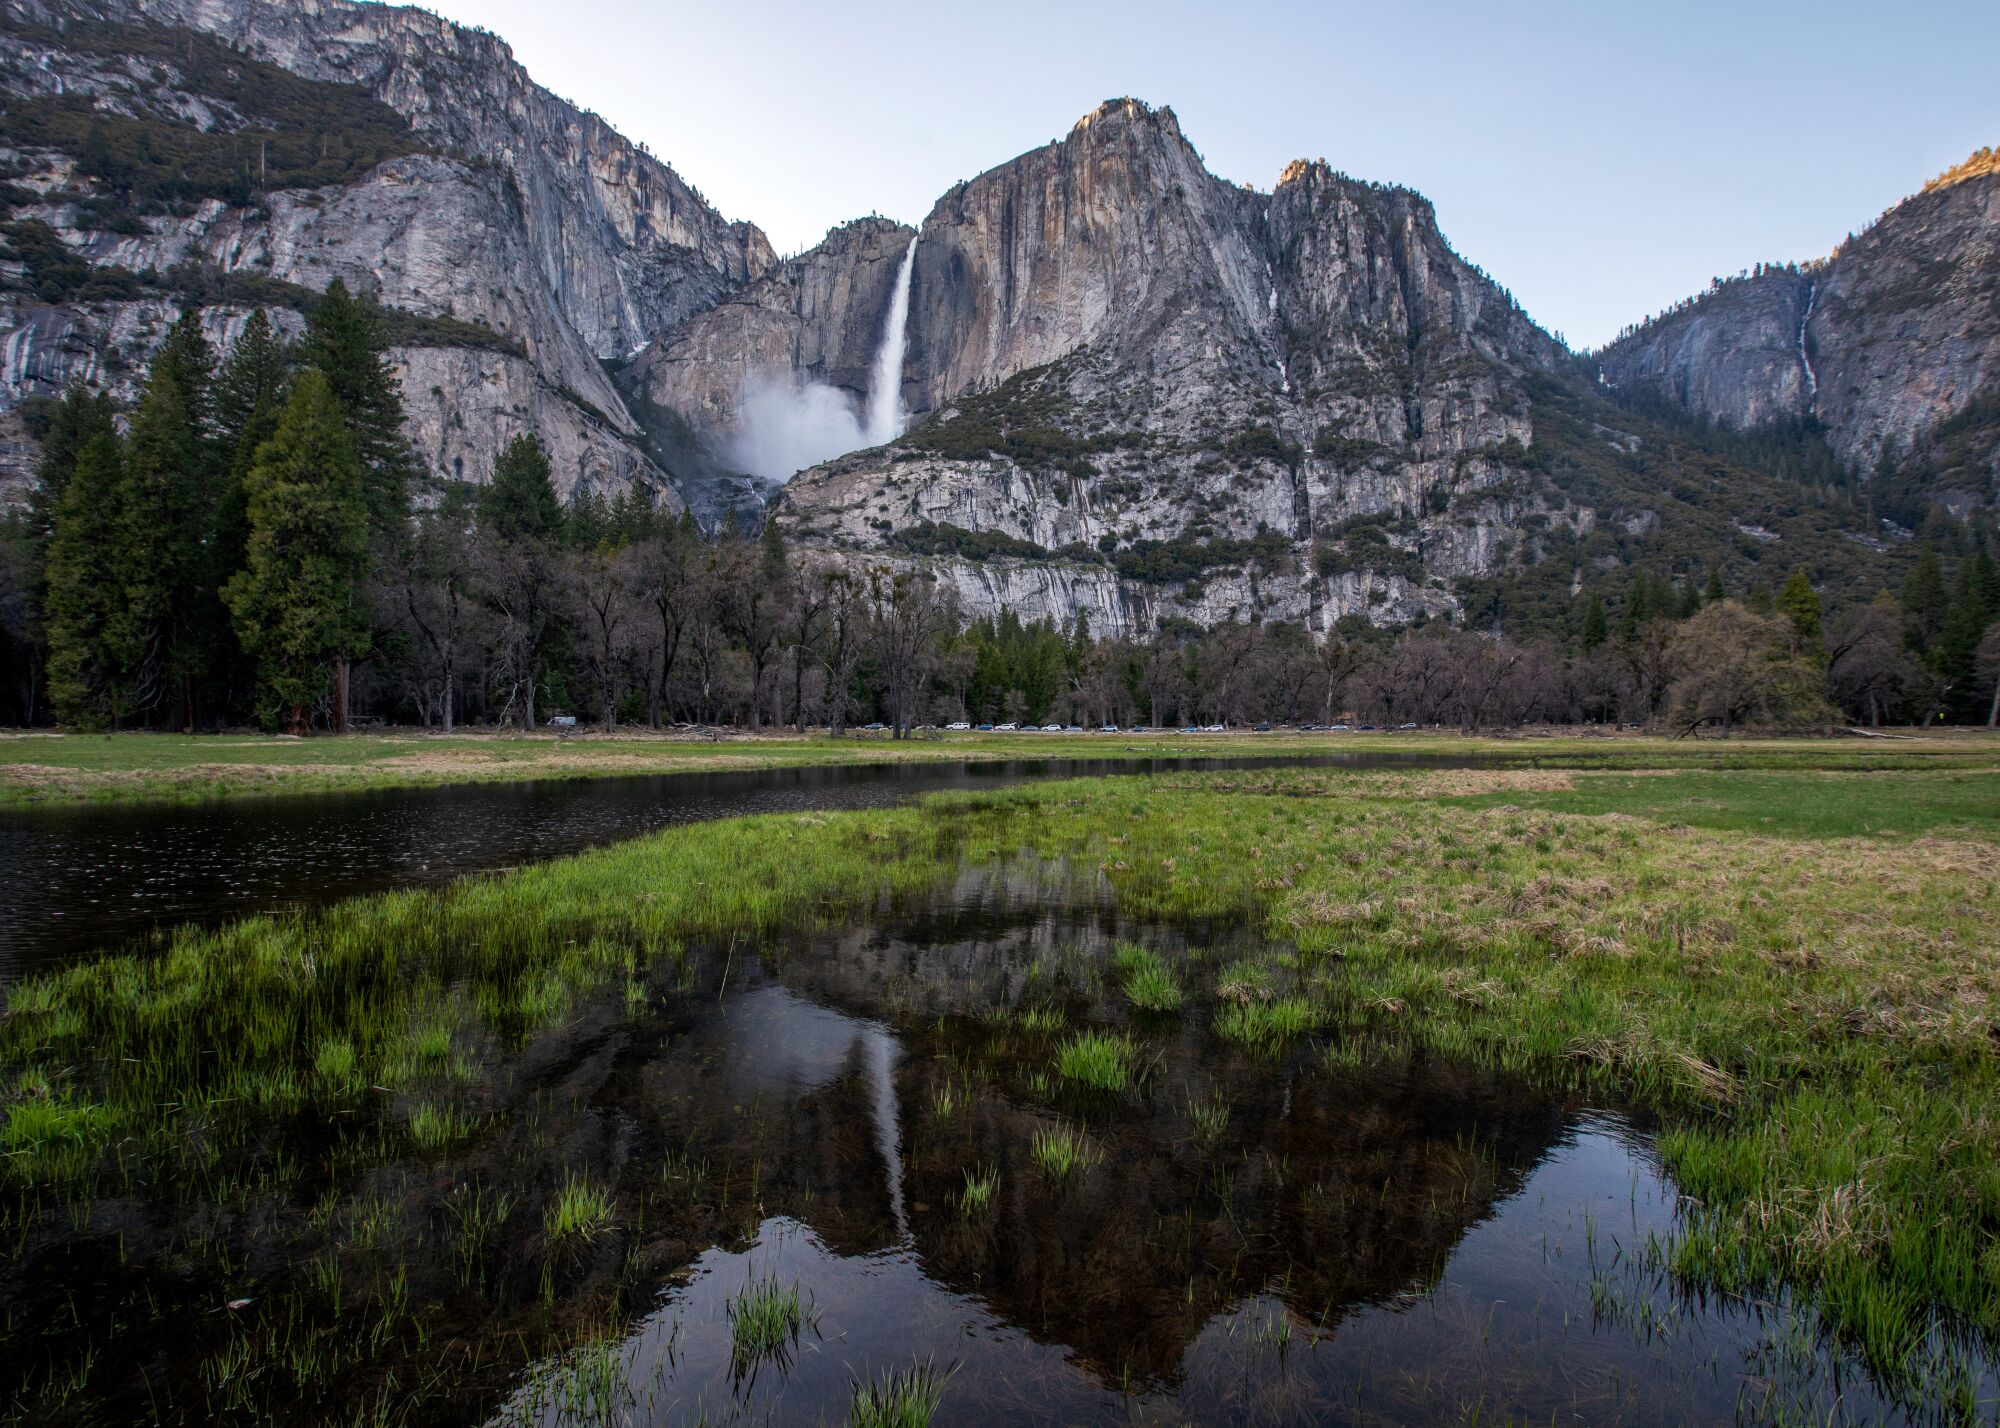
x=1887, y=345
x=1136, y=391
x=528, y=240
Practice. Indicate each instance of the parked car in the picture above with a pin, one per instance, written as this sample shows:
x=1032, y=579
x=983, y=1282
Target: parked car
x=1108, y=729
x=1406, y=726
x=1366, y=728
x=1008, y=728
x=958, y=724
x=1072, y=728
x=985, y=728
x=1263, y=728
x=878, y=724
x=1338, y=729
x=1051, y=728
x=1213, y=729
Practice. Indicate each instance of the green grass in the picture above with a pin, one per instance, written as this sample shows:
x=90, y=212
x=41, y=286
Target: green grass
x=58, y=768
x=980, y=1185
x=1096, y=1059
x=1830, y=805
x=764, y=1320
x=1806, y=1007
x=1059, y=1151
x=40, y=767
x=1149, y=983
x=578, y=1214
x=903, y=1400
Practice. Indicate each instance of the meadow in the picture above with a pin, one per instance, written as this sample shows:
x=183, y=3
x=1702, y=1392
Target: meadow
x=38, y=767
x=1781, y=957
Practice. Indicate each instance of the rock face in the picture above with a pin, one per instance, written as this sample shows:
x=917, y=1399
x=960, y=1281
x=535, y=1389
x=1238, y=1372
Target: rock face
x=525, y=218
x=1137, y=392
x=1881, y=343
x=815, y=319
x=1144, y=391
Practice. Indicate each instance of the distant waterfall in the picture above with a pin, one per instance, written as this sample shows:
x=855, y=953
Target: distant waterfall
x=787, y=421
x=884, y=421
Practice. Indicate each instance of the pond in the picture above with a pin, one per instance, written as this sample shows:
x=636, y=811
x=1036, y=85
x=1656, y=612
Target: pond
x=745, y=1188
x=84, y=877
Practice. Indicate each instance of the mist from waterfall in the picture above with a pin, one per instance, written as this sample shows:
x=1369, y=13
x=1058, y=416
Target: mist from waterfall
x=787, y=423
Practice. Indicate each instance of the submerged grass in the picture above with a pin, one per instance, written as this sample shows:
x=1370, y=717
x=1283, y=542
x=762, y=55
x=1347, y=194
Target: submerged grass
x=1149, y=983
x=764, y=1321
x=909, y=1399
x=1796, y=972
x=1096, y=1059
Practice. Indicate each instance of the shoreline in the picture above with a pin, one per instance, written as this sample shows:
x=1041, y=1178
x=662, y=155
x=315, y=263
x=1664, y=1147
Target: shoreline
x=48, y=769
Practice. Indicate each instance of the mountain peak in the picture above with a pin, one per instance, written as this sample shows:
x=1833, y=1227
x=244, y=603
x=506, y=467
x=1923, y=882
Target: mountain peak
x=1984, y=163
x=1129, y=109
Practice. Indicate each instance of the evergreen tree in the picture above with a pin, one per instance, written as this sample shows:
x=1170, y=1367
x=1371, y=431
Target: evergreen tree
x=249, y=398
x=295, y=602
x=1798, y=602
x=168, y=513
x=344, y=340
x=1924, y=600
x=520, y=502
x=1638, y=608
x=1983, y=578
x=76, y=419
x=521, y=525
x=1595, y=630
x=91, y=639
x=1689, y=603
x=187, y=356
x=1713, y=593
x=250, y=390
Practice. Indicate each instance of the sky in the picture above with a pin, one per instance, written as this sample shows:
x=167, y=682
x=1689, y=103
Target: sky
x=1602, y=160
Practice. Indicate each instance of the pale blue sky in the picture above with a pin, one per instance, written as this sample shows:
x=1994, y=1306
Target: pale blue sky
x=1600, y=159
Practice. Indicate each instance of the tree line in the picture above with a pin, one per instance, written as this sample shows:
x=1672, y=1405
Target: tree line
x=255, y=543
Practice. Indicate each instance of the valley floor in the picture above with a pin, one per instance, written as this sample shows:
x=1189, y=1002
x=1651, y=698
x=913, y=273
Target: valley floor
x=1785, y=962
x=46, y=767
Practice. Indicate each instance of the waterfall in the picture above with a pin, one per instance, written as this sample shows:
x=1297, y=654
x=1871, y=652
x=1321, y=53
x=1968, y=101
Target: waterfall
x=1805, y=357
x=884, y=421
x=786, y=421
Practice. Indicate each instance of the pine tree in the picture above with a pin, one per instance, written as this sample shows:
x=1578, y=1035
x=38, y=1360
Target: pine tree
x=1924, y=600
x=295, y=603
x=1713, y=593
x=91, y=639
x=1798, y=602
x=344, y=340
x=520, y=502
x=78, y=417
x=168, y=514
x=1595, y=630
x=521, y=524
x=1638, y=608
x=249, y=398
x=250, y=389
x=187, y=356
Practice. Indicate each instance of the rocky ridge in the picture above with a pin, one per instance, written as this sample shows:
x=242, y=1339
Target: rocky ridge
x=520, y=215
x=1877, y=345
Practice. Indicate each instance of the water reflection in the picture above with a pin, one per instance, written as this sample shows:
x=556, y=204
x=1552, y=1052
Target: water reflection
x=1399, y=1241
x=85, y=877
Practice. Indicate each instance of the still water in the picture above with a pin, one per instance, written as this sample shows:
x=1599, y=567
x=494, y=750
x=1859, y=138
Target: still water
x=86, y=877
x=1313, y=1231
